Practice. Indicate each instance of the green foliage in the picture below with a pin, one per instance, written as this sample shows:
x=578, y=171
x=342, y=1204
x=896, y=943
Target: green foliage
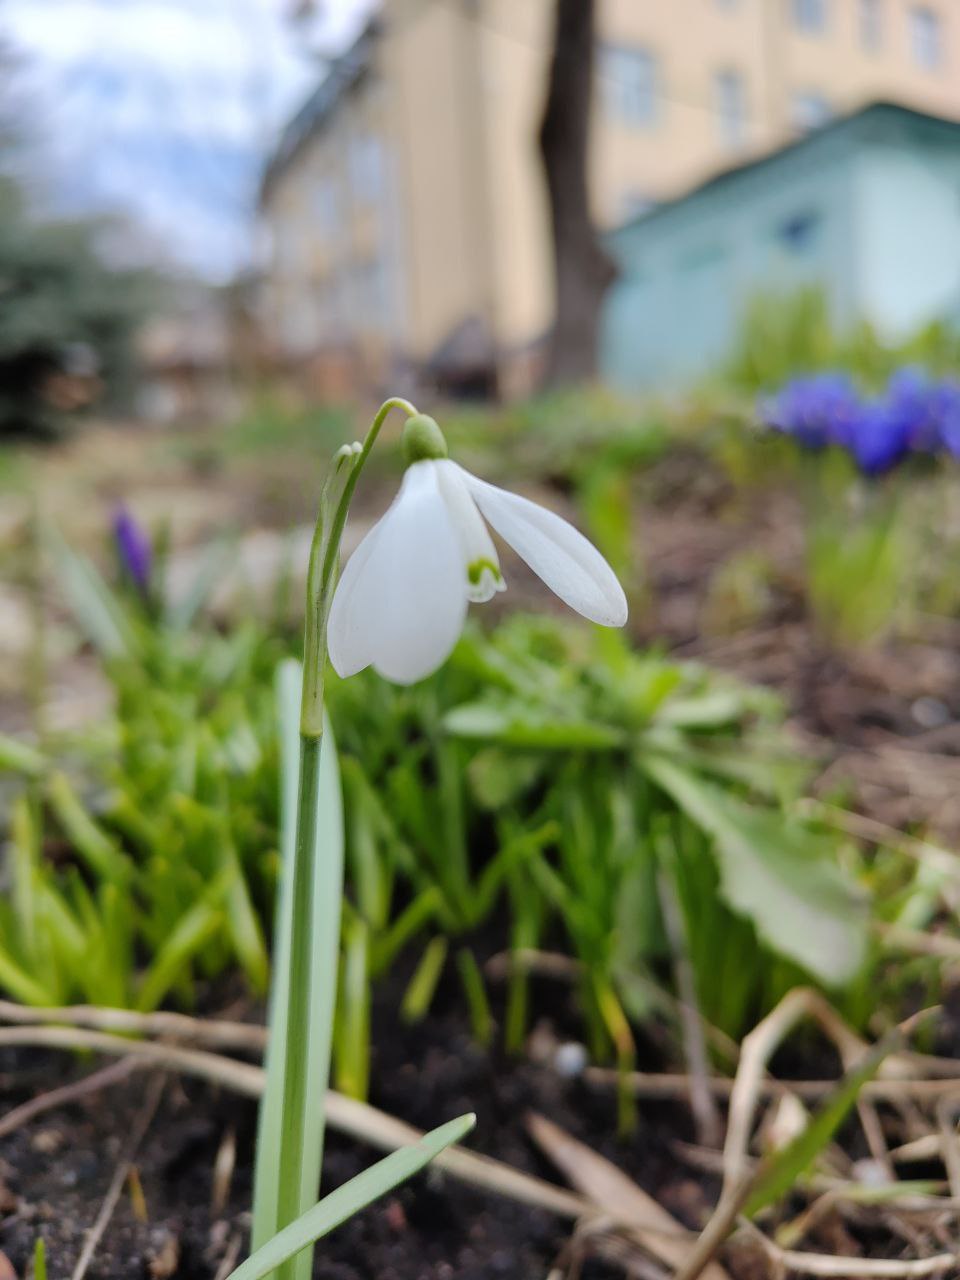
x=782, y=336
x=61, y=306
x=540, y=784
x=860, y=557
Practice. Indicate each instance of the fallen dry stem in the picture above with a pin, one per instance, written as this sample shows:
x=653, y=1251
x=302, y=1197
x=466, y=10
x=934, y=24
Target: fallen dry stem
x=356, y=1119
x=677, y=1085
x=77, y=1089
x=616, y=1195
x=177, y=1026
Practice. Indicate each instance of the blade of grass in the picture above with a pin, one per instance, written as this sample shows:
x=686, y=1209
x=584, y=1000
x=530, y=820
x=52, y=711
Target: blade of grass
x=194, y=930
x=481, y=1019
x=18, y=757
x=96, y=609
x=778, y=1173
x=419, y=994
x=349, y=1199
x=89, y=840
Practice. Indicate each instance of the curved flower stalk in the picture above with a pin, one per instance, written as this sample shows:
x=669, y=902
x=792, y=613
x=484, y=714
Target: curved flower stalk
x=402, y=600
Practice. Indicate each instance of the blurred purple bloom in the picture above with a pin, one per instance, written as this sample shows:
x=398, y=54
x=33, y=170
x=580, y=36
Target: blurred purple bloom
x=928, y=410
x=877, y=437
x=133, y=548
x=817, y=410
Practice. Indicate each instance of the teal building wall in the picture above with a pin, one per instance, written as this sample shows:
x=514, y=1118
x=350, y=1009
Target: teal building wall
x=867, y=208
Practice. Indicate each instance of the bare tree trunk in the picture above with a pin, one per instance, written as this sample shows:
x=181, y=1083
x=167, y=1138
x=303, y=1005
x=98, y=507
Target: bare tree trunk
x=584, y=270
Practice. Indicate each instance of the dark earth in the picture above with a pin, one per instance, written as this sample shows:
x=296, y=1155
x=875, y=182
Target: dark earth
x=56, y=1169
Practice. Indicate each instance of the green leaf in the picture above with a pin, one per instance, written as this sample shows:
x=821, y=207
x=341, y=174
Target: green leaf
x=96, y=609
x=195, y=928
x=88, y=839
x=349, y=1199
x=778, y=1173
x=419, y=994
x=19, y=983
x=216, y=562
x=17, y=757
x=353, y=1010
x=522, y=726
x=710, y=709
x=778, y=873
x=481, y=1019
x=39, y=1260
x=242, y=920
x=499, y=777
x=326, y=933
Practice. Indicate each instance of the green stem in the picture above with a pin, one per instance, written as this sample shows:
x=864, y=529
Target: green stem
x=311, y=1002
x=324, y=559
x=302, y=1001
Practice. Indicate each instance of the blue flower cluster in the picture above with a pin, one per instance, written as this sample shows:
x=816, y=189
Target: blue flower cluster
x=916, y=414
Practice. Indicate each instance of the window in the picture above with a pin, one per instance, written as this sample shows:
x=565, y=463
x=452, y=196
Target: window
x=633, y=203
x=629, y=83
x=799, y=232
x=925, y=37
x=871, y=24
x=809, y=15
x=809, y=110
x=366, y=163
x=731, y=107
x=325, y=206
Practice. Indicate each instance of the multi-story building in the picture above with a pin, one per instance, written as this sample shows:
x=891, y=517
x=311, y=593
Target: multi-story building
x=404, y=212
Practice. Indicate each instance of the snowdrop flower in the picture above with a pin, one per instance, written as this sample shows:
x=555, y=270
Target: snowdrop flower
x=401, y=602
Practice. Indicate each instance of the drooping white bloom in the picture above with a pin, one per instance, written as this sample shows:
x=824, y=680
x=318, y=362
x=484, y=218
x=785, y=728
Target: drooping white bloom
x=402, y=600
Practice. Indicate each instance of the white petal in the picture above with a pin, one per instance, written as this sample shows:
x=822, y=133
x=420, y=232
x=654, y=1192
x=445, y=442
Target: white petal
x=481, y=564
x=571, y=566
x=349, y=643
x=403, y=608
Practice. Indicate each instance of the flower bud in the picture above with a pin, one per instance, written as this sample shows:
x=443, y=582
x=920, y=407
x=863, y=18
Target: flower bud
x=422, y=439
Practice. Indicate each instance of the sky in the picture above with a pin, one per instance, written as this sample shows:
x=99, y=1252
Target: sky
x=164, y=110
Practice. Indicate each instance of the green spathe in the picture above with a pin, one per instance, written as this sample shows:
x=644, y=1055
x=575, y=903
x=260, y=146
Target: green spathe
x=422, y=440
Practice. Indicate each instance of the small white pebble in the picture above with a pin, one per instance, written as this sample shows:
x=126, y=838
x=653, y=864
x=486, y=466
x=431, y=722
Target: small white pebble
x=870, y=1173
x=930, y=713
x=570, y=1059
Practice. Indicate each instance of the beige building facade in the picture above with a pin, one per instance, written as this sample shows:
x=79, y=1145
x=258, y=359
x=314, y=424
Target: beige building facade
x=405, y=228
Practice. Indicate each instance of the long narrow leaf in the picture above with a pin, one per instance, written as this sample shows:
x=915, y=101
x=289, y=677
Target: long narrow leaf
x=349, y=1199
x=18, y=757
x=95, y=608
x=87, y=837
x=326, y=934
x=778, y=1174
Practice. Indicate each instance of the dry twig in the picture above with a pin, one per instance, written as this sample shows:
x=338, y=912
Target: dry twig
x=121, y=1173
x=177, y=1026
x=77, y=1089
x=611, y=1190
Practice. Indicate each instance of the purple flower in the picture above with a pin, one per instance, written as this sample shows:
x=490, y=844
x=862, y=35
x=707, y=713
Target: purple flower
x=877, y=437
x=928, y=409
x=817, y=410
x=950, y=427
x=133, y=549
